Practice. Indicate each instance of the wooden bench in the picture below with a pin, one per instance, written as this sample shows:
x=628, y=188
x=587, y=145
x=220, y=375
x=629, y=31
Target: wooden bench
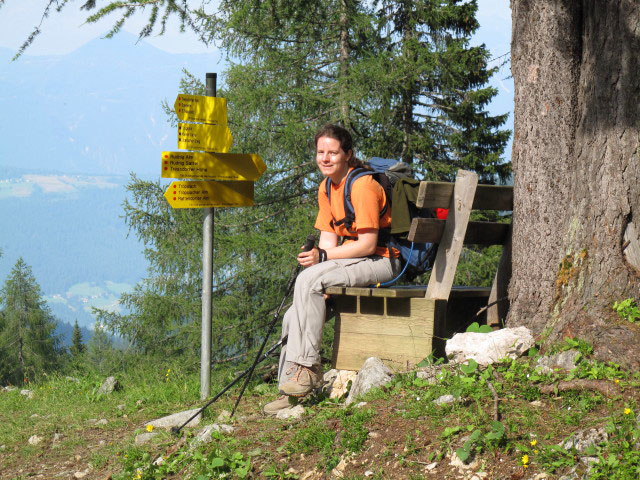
x=403, y=325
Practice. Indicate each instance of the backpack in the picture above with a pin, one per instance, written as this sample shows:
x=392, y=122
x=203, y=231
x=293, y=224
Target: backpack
x=396, y=179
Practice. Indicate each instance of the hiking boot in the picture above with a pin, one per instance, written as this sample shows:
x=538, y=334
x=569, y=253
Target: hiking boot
x=303, y=381
x=280, y=403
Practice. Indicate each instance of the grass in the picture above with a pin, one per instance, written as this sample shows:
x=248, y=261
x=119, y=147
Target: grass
x=397, y=434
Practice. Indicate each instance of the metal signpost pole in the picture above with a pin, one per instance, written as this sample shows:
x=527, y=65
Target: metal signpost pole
x=207, y=279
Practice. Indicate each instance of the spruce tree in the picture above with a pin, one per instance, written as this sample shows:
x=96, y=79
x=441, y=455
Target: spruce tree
x=77, y=347
x=27, y=341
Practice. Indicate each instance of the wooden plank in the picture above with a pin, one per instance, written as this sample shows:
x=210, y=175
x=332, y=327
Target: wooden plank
x=478, y=233
x=488, y=197
x=378, y=292
x=400, y=341
x=452, y=239
x=498, y=312
x=466, y=292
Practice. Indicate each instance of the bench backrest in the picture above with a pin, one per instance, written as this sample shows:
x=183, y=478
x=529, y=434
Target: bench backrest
x=451, y=234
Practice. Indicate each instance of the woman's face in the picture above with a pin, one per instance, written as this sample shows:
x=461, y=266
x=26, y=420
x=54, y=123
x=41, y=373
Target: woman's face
x=331, y=159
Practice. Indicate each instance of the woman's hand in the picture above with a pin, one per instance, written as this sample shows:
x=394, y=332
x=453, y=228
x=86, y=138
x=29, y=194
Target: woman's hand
x=306, y=259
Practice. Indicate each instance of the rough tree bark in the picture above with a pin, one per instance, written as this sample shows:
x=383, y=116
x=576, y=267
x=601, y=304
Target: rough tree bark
x=577, y=180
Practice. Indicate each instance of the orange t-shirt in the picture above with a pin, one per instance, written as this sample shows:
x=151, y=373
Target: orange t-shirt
x=368, y=199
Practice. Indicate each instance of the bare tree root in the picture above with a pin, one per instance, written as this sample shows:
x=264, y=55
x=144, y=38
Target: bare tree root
x=605, y=387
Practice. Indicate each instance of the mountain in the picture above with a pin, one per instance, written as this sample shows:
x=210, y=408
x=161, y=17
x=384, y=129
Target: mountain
x=96, y=110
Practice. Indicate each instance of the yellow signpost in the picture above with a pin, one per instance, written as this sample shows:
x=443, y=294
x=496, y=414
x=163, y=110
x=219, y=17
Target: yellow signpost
x=210, y=138
x=199, y=108
x=212, y=166
x=204, y=194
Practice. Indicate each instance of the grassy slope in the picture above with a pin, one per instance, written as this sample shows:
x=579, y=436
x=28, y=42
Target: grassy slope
x=399, y=433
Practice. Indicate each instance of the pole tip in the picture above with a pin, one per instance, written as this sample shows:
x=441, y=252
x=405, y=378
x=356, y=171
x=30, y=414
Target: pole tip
x=211, y=75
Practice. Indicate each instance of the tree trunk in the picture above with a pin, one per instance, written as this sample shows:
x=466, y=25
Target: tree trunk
x=575, y=160
x=344, y=62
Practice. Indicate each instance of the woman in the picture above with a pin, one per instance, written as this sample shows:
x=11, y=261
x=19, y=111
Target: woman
x=358, y=261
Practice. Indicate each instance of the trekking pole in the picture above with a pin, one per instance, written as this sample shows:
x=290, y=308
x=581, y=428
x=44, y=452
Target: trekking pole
x=176, y=430
x=311, y=240
x=308, y=245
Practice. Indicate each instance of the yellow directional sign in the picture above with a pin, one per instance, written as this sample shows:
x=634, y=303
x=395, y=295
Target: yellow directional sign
x=198, y=108
x=209, y=138
x=209, y=194
x=212, y=166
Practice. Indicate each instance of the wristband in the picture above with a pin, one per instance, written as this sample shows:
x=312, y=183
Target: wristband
x=323, y=255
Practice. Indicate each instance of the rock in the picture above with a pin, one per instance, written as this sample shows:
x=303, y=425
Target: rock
x=82, y=474
x=224, y=416
x=158, y=461
x=430, y=374
x=102, y=421
x=35, y=415
x=456, y=462
x=110, y=385
x=27, y=393
x=337, y=382
x=143, y=438
x=57, y=437
x=563, y=361
x=71, y=379
x=139, y=402
x=444, y=399
x=204, y=435
x=489, y=348
x=431, y=466
x=291, y=412
x=373, y=373
x=339, y=470
x=9, y=388
x=373, y=435
x=368, y=473
x=121, y=406
x=361, y=404
x=34, y=440
x=176, y=420
x=584, y=439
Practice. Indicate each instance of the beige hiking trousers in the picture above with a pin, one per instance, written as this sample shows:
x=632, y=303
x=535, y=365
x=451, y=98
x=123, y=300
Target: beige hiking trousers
x=304, y=320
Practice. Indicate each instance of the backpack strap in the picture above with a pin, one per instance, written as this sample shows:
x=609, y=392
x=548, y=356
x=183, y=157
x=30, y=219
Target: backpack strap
x=350, y=215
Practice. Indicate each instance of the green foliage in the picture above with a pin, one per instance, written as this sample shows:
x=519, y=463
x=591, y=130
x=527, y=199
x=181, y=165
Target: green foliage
x=477, y=328
x=28, y=346
x=627, y=309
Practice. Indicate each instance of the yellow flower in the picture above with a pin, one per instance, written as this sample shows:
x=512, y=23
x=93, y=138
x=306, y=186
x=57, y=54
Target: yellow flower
x=617, y=381
x=525, y=460
x=535, y=451
x=627, y=411
x=149, y=428
x=533, y=442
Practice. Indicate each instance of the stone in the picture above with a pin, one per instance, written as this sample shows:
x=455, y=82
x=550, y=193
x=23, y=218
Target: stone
x=204, y=435
x=368, y=473
x=102, y=421
x=373, y=373
x=562, y=361
x=109, y=386
x=35, y=415
x=444, y=399
x=431, y=466
x=35, y=439
x=337, y=382
x=456, y=462
x=430, y=374
x=71, y=379
x=585, y=438
x=27, y=393
x=224, y=416
x=82, y=474
x=57, y=437
x=158, y=461
x=489, y=348
x=291, y=412
x=338, y=471
x=145, y=437
x=176, y=420
x=120, y=407
x=9, y=388
x=361, y=404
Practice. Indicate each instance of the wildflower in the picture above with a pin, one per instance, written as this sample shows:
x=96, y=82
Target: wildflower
x=535, y=451
x=617, y=380
x=149, y=428
x=533, y=442
x=525, y=460
x=627, y=411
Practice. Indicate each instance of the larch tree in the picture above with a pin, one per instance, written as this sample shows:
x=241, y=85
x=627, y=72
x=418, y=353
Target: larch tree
x=576, y=162
x=28, y=343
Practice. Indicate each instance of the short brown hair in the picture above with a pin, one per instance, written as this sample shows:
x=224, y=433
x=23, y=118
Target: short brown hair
x=343, y=136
